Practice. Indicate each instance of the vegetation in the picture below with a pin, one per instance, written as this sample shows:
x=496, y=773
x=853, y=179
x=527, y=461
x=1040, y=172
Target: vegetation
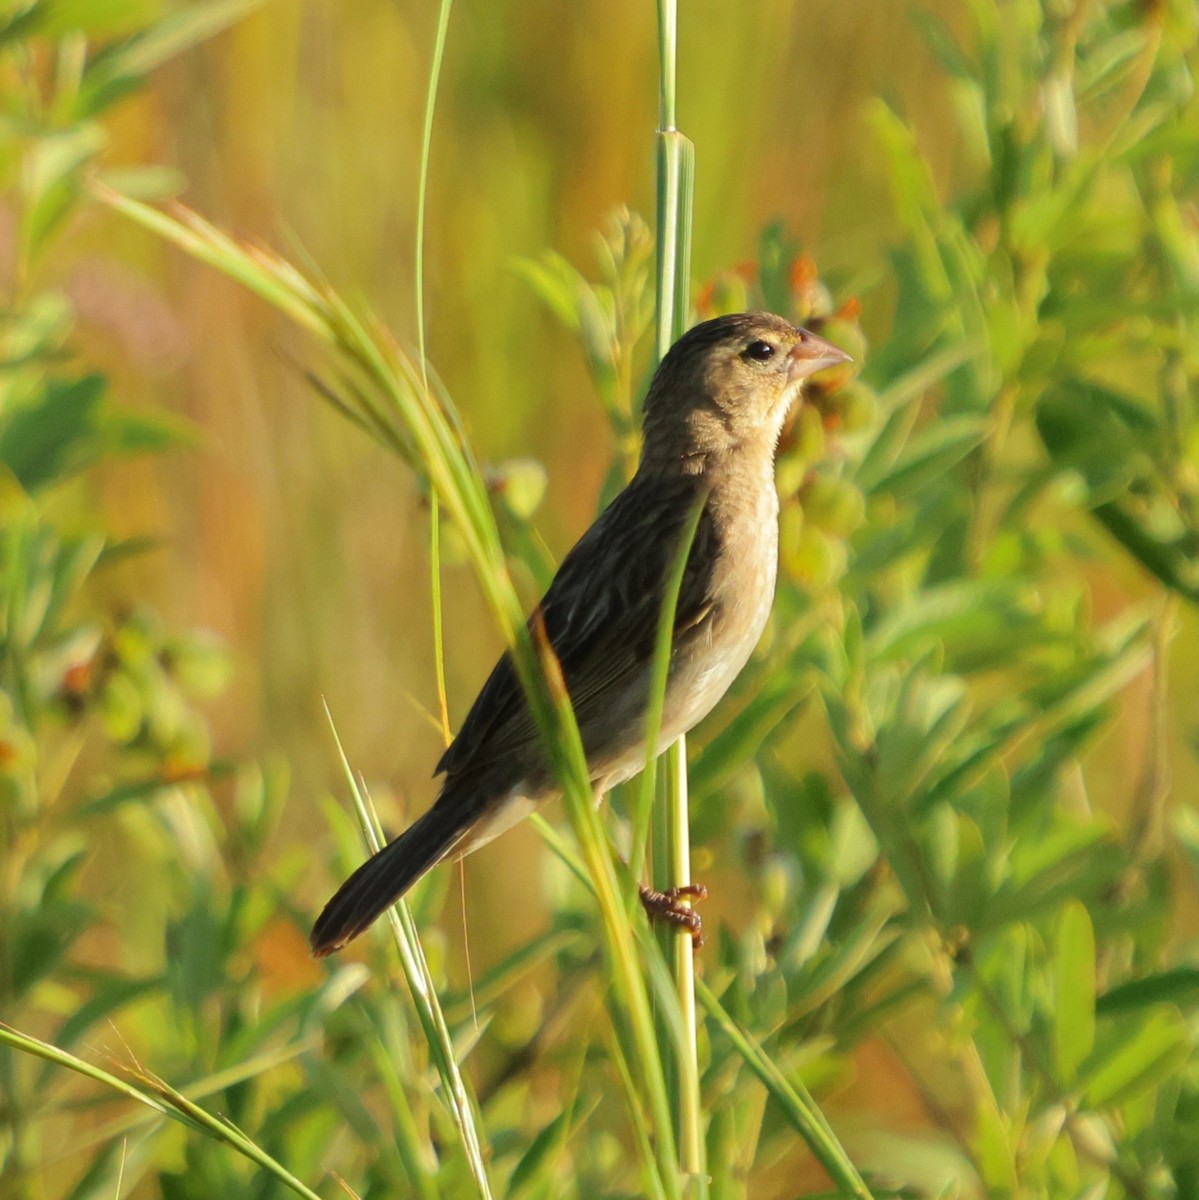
x=945, y=815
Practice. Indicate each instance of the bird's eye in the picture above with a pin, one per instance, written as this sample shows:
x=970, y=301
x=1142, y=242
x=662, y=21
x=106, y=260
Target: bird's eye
x=758, y=351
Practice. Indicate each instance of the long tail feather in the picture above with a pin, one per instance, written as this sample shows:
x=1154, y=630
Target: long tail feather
x=386, y=876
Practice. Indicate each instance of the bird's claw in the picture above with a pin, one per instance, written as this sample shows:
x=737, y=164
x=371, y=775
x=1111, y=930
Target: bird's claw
x=665, y=906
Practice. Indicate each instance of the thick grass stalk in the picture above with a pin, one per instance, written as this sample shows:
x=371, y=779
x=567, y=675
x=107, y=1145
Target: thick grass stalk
x=675, y=163
x=678, y=866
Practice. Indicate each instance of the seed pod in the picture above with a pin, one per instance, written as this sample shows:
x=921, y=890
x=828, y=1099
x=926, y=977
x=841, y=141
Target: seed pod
x=814, y=560
x=833, y=505
x=858, y=405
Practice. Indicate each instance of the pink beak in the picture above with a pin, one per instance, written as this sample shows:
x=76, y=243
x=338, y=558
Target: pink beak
x=812, y=353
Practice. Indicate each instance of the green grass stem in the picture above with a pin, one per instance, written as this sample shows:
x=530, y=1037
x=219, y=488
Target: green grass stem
x=792, y=1097
x=163, y=1099
x=675, y=179
x=422, y=197
x=424, y=993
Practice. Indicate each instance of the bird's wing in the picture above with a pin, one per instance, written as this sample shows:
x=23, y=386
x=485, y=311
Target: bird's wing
x=600, y=614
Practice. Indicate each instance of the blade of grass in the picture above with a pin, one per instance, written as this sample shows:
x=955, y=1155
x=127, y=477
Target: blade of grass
x=422, y=196
x=642, y=811
x=632, y=1016
x=652, y=1180
x=424, y=993
x=155, y=1094
x=340, y=986
x=797, y=1106
x=675, y=178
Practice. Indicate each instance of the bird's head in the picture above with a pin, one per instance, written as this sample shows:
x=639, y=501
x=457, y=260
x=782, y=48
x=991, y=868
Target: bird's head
x=729, y=383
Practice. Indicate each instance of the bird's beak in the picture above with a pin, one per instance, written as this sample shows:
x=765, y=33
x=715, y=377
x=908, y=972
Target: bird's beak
x=811, y=354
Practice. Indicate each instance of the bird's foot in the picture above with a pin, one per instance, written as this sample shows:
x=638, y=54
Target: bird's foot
x=666, y=906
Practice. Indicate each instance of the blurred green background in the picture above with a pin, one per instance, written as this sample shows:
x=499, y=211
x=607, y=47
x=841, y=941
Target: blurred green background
x=947, y=816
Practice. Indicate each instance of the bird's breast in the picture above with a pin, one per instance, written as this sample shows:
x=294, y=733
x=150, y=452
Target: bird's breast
x=707, y=659
x=709, y=655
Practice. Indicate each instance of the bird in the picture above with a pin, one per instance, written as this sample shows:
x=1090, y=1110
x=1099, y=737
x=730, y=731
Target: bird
x=712, y=417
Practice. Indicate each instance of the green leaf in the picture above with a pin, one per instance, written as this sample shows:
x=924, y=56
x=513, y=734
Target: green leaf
x=905, y=387
x=914, y=196
x=539, y=1150
x=797, y=1106
x=69, y=428
x=161, y=1098
x=964, y=610
x=556, y=283
x=1073, y=972
x=927, y=456
x=854, y=954
x=1069, y=861
x=196, y=946
x=1116, y=446
x=41, y=939
x=55, y=436
x=737, y=743
x=1129, y=1062
x=1173, y=561
x=119, y=68
x=111, y=992
x=996, y=1158
x=96, y=18
x=1179, y=986
x=53, y=169
x=944, y=45
x=124, y=431
x=930, y=714
x=1093, y=429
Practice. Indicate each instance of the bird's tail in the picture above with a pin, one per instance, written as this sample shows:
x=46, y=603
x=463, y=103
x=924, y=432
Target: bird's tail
x=387, y=875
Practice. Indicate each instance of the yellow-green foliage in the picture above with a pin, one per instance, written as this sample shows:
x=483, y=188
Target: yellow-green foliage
x=946, y=815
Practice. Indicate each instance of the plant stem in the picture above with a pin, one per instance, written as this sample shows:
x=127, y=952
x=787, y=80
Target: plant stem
x=422, y=195
x=675, y=165
x=424, y=992
x=678, y=866
x=797, y=1106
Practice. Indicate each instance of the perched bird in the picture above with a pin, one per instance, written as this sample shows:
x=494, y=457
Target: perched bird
x=712, y=420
